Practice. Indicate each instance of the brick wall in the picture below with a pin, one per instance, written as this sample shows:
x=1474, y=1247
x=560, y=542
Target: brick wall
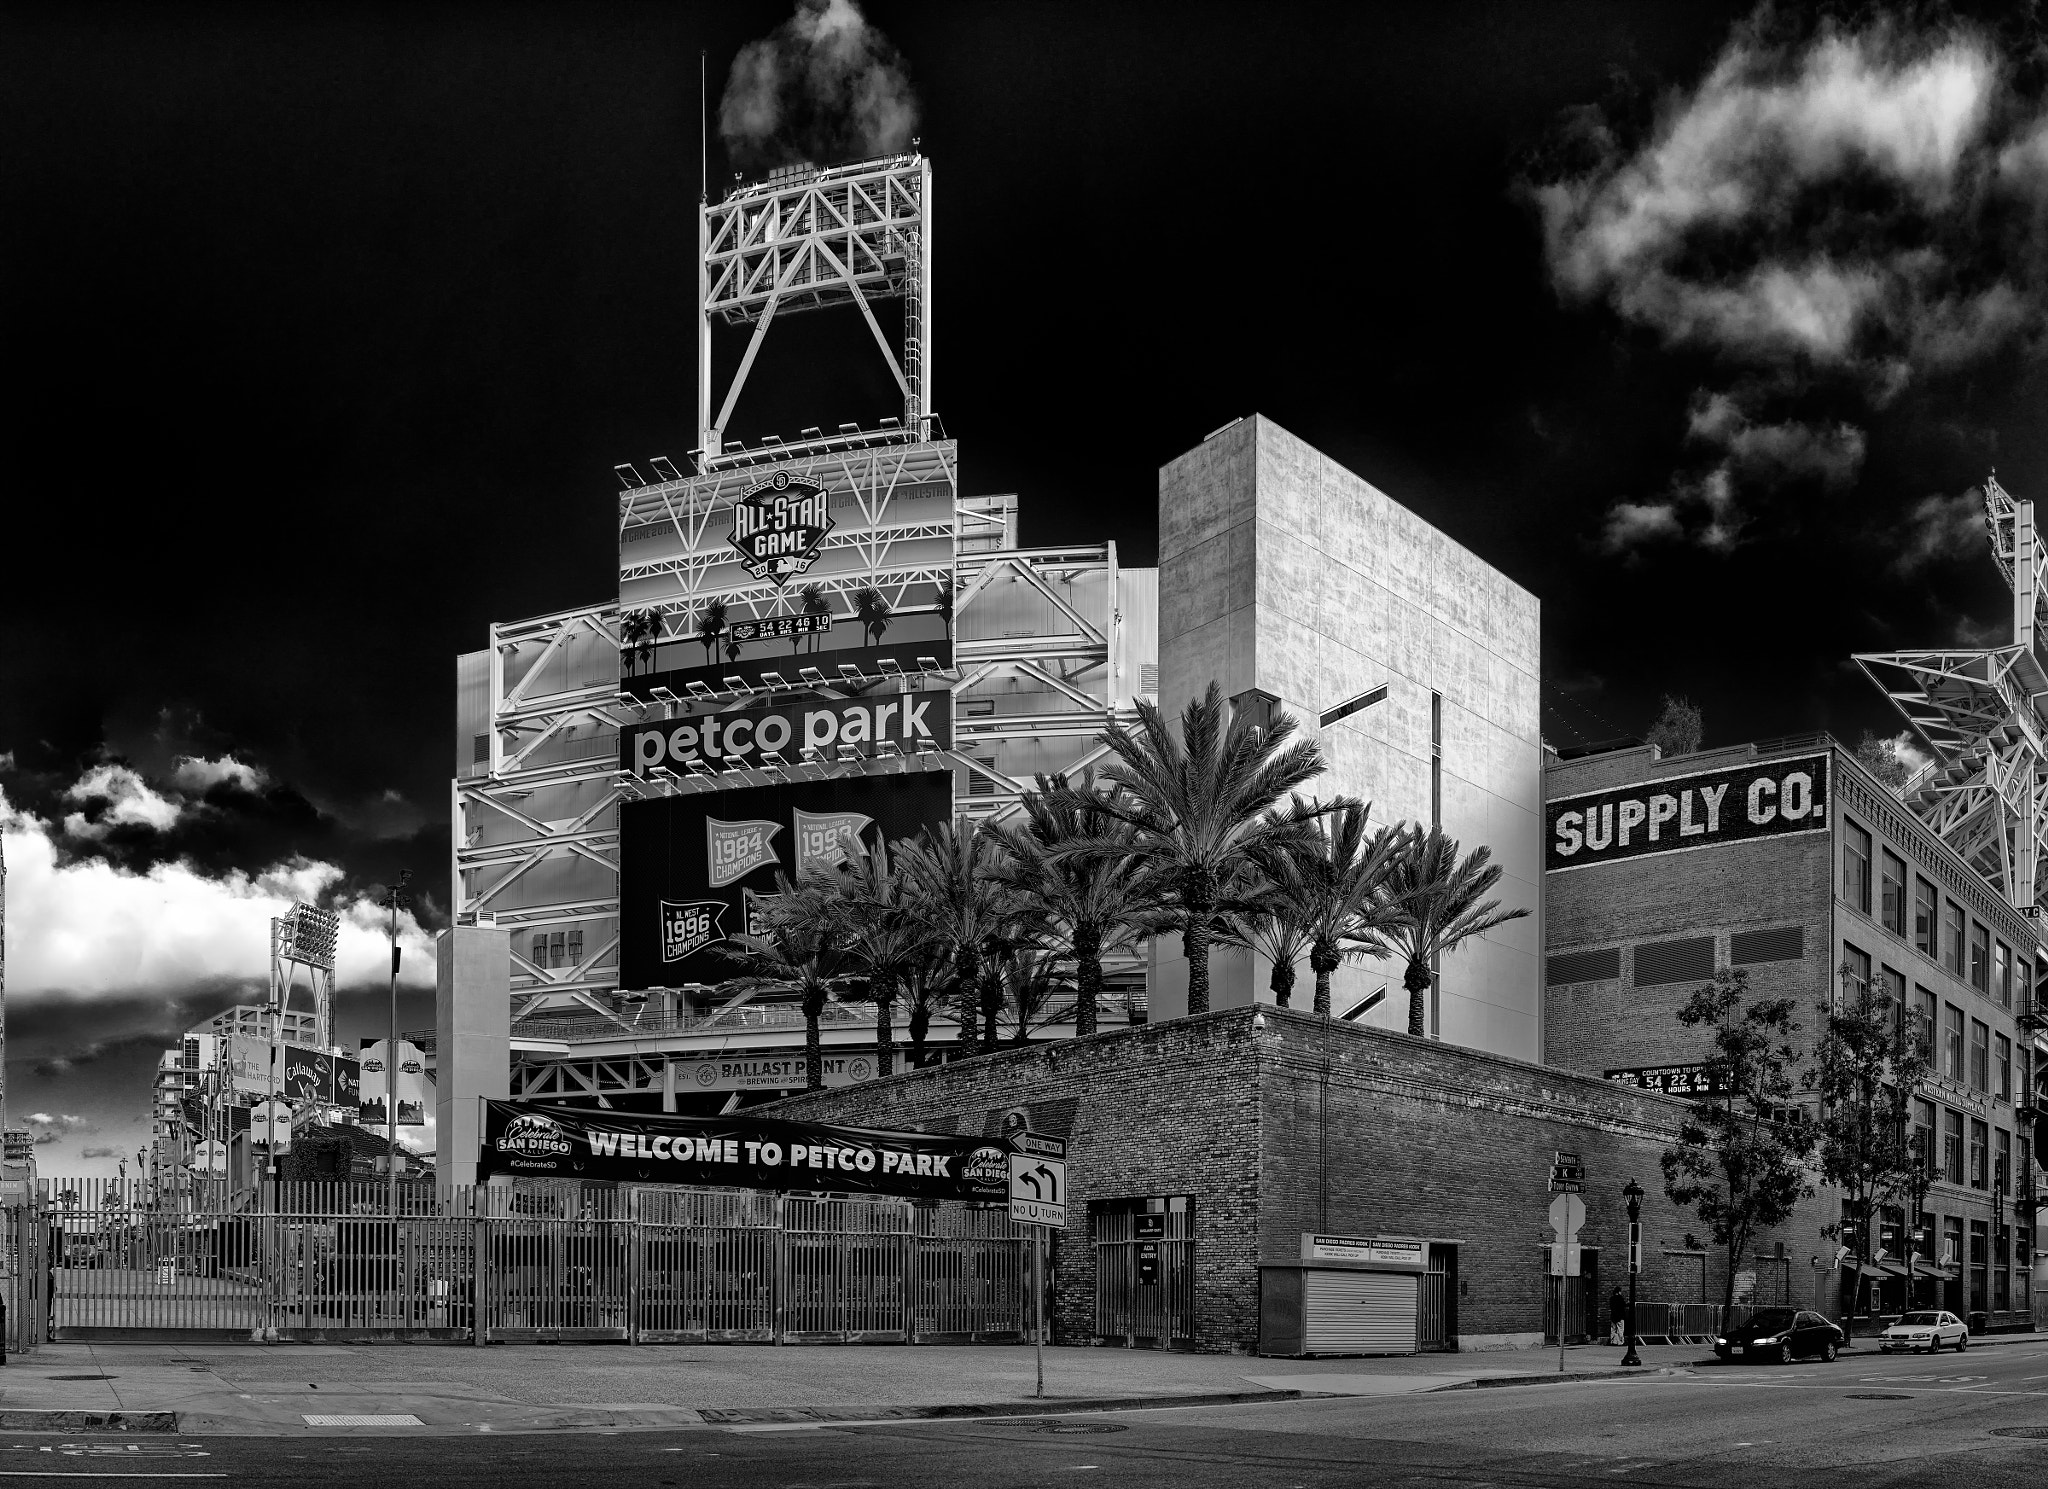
x=1424, y=1139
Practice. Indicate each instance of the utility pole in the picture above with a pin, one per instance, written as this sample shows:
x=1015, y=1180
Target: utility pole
x=397, y=894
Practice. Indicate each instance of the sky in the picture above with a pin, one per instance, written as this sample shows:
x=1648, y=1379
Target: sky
x=1702, y=322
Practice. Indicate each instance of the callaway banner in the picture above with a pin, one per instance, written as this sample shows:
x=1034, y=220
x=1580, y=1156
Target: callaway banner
x=696, y=870
x=1678, y=813
x=534, y=1140
x=743, y=736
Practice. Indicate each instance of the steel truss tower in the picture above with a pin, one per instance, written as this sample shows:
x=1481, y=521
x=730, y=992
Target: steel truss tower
x=1983, y=711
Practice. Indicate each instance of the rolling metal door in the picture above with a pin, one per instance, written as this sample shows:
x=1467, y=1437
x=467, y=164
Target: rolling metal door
x=1359, y=1313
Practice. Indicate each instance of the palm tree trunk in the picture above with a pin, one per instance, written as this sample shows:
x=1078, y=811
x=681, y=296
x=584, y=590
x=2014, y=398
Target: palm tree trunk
x=1087, y=981
x=814, y=1053
x=1416, y=980
x=1322, y=963
x=920, y=1025
x=884, y=994
x=991, y=1009
x=1194, y=939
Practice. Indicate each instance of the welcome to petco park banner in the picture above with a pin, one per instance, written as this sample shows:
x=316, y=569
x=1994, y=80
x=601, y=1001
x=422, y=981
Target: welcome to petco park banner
x=531, y=1139
x=1766, y=798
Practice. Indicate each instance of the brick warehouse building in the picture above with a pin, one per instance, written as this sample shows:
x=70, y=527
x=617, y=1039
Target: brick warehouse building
x=1790, y=860
x=1240, y=1137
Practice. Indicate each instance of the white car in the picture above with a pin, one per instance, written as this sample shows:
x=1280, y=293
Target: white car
x=1925, y=1330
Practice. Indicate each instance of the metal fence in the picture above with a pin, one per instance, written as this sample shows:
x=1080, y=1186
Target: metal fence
x=546, y=1261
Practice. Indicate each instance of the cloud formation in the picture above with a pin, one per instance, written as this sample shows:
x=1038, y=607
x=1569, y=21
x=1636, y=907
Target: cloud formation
x=824, y=87
x=1939, y=528
x=1829, y=220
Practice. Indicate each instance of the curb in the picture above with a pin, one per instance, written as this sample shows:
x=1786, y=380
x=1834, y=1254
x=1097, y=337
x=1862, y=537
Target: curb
x=746, y=1415
x=1488, y=1382
x=88, y=1421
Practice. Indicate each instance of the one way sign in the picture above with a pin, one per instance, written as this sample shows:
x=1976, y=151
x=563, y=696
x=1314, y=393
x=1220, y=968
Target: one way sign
x=1038, y=1189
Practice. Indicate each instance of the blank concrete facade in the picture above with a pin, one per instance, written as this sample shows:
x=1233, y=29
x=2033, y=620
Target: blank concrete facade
x=1281, y=571
x=473, y=1014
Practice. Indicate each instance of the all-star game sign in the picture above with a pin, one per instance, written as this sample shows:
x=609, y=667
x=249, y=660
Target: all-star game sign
x=779, y=525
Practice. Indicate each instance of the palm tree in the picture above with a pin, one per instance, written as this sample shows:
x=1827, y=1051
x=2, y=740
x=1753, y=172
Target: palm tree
x=815, y=603
x=882, y=936
x=637, y=630
x=1030, y=979
x=1438, y=901
x=1200, y=807
x=952, y=868
x=800, y=954
x=923, y=980
x=1337, y=872
x=1272, y=921
x=710, y=626
x=1090, y=904
x=943, y=603
x=872, y=610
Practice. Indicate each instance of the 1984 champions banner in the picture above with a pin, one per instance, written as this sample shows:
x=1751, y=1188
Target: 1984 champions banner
x=697, y=870
x=1767, y=798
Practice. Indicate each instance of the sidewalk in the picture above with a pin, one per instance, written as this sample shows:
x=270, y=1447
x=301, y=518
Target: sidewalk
x=304, y=1389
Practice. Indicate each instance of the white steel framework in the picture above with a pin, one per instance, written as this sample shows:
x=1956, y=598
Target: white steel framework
x=809, y=239
x=1979, y=709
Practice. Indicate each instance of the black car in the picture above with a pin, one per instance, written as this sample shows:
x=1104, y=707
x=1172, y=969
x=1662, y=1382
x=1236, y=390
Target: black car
x=1781, y=1334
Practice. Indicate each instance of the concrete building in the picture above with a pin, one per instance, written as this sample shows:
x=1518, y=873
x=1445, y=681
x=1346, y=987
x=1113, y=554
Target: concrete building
x=1298, y=585
x=1791, y=861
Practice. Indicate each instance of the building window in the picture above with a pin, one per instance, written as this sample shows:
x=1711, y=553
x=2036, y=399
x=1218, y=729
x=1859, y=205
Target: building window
x=2001, y=1161
x=1923, y=1017
x=1951, y=1241
x=575, y=945
x=2001, y=1067
x=1980, y=1055
x=1924, y=931
x=557, y=953
x=1980, y=1247
x=2001, y=973
x=1923, y=1137
x=1980, y=958
x=1855, y=976
x=1952, y=1042
x=1892, y=989
x=2023, y=982
x=1952, y=937
x=1923, y=1237
x=1952, y=1146
x=1891, y=899
x=1891, y=1233
x=1856, y=866
x=1980, y=1154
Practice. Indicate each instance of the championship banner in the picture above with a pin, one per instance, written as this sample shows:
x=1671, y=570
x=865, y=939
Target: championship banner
x=825, y=840
x=1678, y=813
x=734, y=850
x=533, y=1140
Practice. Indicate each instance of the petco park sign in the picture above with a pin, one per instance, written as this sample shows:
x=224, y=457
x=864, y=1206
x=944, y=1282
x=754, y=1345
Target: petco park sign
x=745, y=735
x=1768, y=798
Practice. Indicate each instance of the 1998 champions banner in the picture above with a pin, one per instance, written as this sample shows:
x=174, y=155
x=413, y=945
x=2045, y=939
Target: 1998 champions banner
x=1767, y=798
x=697, y=870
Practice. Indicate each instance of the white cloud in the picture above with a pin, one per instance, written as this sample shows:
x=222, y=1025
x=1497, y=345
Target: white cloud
x=130, y=802
x=88, y=929
x=1631, y=524
x=197, y=775
x=1940, y=528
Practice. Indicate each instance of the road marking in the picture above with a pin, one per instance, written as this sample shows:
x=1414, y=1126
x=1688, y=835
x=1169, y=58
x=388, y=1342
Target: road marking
x=82, y=1473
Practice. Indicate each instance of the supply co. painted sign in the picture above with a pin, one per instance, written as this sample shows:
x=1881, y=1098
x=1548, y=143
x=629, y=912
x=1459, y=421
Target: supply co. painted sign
x=743, y=736
x=1765, y=799
x=779, y=525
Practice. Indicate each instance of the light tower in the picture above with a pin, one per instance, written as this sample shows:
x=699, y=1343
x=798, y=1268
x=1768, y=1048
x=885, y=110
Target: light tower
x=1983, y=711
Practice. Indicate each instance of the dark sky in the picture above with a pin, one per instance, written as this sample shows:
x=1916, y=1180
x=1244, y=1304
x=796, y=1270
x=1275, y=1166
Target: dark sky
x=328, y=323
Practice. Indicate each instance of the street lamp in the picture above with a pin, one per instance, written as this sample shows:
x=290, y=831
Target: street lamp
x=398, y=895
x=1633, y=1193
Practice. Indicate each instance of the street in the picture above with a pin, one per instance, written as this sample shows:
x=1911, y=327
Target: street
x=1879, y=1420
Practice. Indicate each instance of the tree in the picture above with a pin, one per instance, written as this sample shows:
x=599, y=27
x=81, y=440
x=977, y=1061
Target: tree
x=710, y=626
x=953, y=869
x=814, y=603
x=942, y=601
x=872, y=611
x=1678, y=729
x=882, y=935
x=1031, y=979
x=801, y=954
x=1870, y=1057
x=1272, y=921
x=1439, y=902
x=637, y=632
x=1880, y=754
x=1337, y=870
x=1740, y=1159
x=1079, y=890
x=924, y=980
x=1200, y=807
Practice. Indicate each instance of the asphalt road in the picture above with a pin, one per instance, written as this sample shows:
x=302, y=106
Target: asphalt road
x=1870, y=1421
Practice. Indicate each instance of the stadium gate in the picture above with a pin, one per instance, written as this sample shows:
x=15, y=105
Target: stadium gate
x=538, y=1261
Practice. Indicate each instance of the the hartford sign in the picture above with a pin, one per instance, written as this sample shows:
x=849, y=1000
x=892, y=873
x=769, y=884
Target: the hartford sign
x=1768, y=798
x=743, y=736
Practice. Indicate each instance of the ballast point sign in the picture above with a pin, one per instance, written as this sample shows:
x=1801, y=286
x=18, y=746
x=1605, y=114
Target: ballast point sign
x=779, y=526
x=1766, y=798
